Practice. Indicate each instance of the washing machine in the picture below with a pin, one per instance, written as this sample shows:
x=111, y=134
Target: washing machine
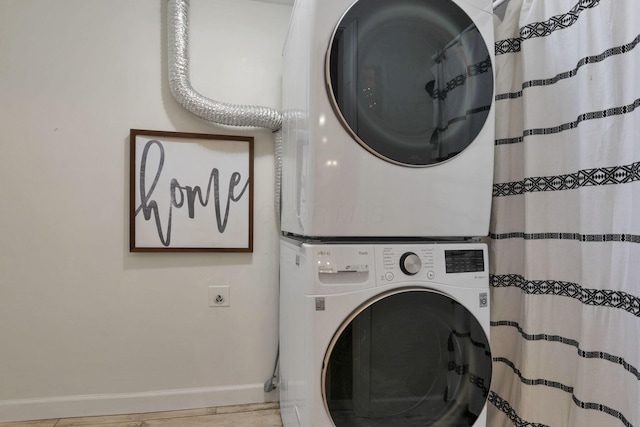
x=388, y=124
x=384, y=334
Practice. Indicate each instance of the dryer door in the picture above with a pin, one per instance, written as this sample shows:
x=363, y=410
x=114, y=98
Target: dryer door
x=411, y=80
x=410, y=357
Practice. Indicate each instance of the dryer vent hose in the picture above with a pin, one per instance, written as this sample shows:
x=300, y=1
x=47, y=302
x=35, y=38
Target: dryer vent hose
x=208, y=109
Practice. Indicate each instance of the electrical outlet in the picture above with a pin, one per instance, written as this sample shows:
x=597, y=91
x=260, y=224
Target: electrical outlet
x=219, y=296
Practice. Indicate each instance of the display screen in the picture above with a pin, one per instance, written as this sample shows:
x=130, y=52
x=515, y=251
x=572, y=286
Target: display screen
x=464, y=261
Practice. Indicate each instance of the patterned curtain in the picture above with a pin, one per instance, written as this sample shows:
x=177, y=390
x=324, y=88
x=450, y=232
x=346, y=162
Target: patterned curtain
x=565, y=228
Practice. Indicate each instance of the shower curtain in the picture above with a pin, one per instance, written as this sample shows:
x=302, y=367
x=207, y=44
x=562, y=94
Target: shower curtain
x=565, y=228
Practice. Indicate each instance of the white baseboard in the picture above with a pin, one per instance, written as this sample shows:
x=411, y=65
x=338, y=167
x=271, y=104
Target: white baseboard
x=128, y=403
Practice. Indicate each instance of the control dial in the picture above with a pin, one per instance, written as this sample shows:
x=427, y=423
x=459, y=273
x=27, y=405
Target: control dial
x=410, y=263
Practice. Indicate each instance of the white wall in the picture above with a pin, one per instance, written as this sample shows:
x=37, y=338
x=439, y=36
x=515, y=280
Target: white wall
x=85, y=326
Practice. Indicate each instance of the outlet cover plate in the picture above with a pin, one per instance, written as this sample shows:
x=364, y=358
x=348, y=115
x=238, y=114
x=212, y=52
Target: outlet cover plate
x=219, y=296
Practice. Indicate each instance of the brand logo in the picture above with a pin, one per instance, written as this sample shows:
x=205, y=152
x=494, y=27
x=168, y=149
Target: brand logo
x=483, y=300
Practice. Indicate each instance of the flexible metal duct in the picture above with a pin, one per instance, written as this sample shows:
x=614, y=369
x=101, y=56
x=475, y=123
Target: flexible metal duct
x=278, y=171
x=183, y=92
x=208, y=109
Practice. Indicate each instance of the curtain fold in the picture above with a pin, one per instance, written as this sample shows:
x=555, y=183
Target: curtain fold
x=565, y=227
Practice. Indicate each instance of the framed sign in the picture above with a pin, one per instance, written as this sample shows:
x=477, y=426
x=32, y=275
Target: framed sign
x=190, y=192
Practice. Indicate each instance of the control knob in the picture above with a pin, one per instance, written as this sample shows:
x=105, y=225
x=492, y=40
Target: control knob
x=410, y=263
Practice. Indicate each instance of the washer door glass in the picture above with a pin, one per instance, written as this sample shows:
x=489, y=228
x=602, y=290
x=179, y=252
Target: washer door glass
x=411, y=80
x=412, y=357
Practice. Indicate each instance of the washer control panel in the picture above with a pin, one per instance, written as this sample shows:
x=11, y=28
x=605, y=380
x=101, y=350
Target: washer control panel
x=455, y=263
x=349, y=267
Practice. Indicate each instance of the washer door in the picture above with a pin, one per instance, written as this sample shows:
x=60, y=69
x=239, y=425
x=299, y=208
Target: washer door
x=410, y=357
x=411, y=80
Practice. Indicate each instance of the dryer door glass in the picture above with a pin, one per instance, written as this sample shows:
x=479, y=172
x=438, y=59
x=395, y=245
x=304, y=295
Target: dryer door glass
x=411, y=80
x=408, y=358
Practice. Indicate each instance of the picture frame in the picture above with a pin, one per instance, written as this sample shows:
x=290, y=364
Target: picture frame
x=190, y=192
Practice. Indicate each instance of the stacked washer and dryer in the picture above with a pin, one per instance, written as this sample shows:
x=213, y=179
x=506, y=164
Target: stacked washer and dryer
x=387, y=169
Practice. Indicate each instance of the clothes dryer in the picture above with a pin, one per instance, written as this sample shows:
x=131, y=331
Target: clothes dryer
x=388, y=120
x=384, y=335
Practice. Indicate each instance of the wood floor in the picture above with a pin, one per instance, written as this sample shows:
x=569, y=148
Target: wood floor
x=258, y=415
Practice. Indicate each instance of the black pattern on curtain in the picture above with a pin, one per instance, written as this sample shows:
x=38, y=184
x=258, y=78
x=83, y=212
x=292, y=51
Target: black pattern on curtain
x=565, y=227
